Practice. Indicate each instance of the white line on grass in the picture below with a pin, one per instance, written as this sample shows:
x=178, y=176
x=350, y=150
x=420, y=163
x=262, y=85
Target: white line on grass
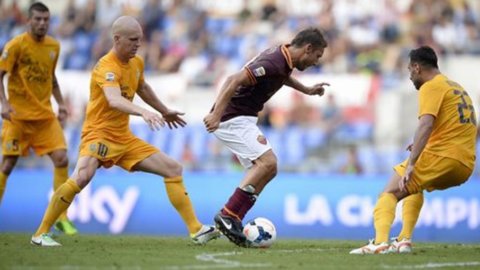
x=215, y=260
x=218, y=262
x=431, y=265
x=225, y=263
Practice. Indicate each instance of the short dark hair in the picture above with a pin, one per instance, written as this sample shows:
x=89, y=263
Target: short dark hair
x=37, y=6
x=424, y=56
x=310, y=35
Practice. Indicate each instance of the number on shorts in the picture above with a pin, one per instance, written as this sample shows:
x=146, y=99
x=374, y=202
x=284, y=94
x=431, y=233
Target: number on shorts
x=102, y=150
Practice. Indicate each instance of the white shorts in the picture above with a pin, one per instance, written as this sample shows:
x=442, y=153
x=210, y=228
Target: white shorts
x=243, y=137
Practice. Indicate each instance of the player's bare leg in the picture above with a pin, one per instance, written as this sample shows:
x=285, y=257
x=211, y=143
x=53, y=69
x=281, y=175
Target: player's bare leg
x=8, y=164
x=263, y=170
x=63, y=197
x=60, y=175
x=161, y=164
x=412, y=205
x=383, y=216
x=229, y=220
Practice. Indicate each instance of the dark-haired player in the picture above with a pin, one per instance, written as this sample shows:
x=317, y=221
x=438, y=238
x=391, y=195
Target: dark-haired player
x=28, y=118
x=233, y=119
x=442, y=154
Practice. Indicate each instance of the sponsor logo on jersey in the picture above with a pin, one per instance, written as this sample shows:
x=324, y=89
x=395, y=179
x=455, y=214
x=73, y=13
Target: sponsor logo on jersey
x=258, y=72
x=261, y=139
x=109, y=77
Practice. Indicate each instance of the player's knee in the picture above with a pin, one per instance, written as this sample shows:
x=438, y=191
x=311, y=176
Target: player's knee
x=60, y=158
x=84, y=177
x=83, y=180
x=270, y=166
x=8, y=164
x=273, y=169
x=61, y=161
x=7, y=169
x=174, y=169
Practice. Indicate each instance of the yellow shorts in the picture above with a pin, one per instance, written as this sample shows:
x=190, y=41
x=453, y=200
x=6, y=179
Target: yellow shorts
x=43, y=136
x=434, y=172
x=126, y=154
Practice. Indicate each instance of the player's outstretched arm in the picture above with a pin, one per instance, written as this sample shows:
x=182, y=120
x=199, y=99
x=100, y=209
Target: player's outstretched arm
x=212, y=120
x=6, y=108
x=116, y=101
x=317, y=89
x=173, y=118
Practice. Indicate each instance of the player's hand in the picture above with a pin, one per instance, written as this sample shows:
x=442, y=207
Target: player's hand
x=62, y=115
x=211, y=122
x=317, y=89
x=154, y=120
x=173, y=119
x=6, y=111
x=407, y=177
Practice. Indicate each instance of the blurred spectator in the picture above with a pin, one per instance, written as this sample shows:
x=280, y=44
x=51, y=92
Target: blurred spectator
x=300, y=113
x=152, y=18
x=449, y=37
x=87, y=16
x=352, y=164
x=264, y=117
x=193, y=39
x=107, y=12
x=331, y=117
x=11, y=21
x=363, y=35
x=69, y=23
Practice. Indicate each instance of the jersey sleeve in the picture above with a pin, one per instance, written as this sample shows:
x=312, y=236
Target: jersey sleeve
x=9, y=55
x=141, y=66
x=57, y=51
x=260, y=70
x=108, y=74
x=429, y=100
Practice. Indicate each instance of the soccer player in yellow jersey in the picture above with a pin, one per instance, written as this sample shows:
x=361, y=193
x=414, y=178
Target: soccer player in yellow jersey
x=107, y=139
x=28, y=118
x=442, y=154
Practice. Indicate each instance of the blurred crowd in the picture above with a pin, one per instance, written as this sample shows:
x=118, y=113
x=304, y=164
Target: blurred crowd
x=202, y=40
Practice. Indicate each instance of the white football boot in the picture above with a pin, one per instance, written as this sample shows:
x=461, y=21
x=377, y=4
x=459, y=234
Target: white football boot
x=204, y=235
x=403, y=246
x=371, y=248
x=44, y=240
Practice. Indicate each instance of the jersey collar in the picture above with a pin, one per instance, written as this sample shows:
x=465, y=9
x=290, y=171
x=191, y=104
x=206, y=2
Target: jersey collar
x=287, y=55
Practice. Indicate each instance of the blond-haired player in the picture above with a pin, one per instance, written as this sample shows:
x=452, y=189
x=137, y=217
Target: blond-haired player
x=442, y=154
x=28, y=118
x=107, y=139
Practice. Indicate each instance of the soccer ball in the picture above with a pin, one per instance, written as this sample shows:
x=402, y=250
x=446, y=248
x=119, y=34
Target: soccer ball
x=260, y=232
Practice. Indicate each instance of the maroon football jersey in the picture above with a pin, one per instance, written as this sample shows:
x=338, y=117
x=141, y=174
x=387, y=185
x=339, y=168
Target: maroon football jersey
x=268, y=71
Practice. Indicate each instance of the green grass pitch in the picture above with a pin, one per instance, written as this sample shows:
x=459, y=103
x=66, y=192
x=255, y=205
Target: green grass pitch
x=177, y=253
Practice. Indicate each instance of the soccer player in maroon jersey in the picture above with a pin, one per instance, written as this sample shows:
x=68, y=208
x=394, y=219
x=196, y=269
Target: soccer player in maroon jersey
x=233, y=119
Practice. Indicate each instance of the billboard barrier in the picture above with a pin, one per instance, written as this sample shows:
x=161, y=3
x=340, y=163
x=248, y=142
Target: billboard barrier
x=301, y=206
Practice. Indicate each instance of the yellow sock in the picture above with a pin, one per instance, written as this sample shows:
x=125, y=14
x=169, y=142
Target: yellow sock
x=61, y=199
x=383, y=216
x=179, y=199
x=3, y=184
x=60, y=175
x=410, y=212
